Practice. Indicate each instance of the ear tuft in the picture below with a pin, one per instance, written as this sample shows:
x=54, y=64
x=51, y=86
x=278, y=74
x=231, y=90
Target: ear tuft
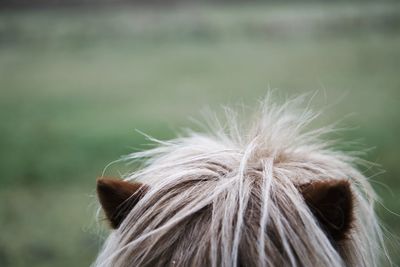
x=331, y=202
x=117, y=197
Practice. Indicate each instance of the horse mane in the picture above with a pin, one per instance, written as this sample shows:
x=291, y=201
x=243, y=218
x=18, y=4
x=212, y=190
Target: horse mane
x=229, y=196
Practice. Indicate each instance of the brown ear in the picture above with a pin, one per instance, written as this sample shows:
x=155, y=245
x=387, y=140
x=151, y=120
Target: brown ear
x=117, y=198
x=331, y=202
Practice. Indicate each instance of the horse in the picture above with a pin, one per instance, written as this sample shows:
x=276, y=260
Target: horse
x=268, y=190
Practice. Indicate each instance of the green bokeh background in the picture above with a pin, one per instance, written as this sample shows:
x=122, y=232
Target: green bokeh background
x=75, y=83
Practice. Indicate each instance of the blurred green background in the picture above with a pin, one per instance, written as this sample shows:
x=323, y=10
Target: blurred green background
x=75, y=83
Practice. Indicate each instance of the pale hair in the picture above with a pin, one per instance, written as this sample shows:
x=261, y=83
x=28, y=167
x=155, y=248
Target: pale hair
x=228, y=197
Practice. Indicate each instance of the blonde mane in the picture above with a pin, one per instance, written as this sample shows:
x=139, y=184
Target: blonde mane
x=229, y=197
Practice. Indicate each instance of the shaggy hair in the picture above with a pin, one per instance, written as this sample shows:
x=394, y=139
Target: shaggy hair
x=237, y=196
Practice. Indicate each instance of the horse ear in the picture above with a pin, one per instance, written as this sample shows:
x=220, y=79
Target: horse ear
x=331, y=202
x=117, y=198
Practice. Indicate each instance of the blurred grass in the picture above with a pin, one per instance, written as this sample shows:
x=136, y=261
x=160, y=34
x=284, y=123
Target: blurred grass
x=74, y=84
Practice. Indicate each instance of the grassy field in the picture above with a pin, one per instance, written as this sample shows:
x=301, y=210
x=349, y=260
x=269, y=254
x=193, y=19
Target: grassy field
x=75, y=84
